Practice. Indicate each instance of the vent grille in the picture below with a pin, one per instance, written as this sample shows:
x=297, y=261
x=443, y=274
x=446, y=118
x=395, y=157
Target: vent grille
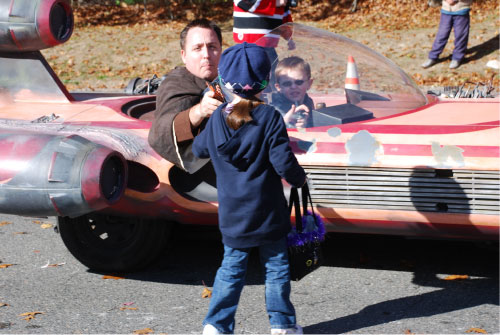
x=426, y=190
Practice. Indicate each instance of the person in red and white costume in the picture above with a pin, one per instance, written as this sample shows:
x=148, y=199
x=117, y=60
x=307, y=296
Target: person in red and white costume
x=255, y=18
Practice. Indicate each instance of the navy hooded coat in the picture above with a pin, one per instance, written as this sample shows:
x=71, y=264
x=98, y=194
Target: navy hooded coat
x=249, y=164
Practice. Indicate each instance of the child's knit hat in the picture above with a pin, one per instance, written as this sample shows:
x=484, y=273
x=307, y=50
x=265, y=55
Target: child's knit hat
x=244, y=70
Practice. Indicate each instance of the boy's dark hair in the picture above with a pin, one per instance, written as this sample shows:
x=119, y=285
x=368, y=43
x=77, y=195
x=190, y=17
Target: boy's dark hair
x=292, y=62
x=201, y=23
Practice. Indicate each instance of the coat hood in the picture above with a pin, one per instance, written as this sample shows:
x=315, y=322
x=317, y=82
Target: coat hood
x=234, y=146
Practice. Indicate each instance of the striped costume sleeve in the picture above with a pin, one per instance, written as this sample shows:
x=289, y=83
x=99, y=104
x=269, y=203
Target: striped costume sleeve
x=255, y=18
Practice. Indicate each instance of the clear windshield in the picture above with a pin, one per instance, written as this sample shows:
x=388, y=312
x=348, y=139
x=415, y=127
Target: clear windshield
x=26, y=78
x=384, y=88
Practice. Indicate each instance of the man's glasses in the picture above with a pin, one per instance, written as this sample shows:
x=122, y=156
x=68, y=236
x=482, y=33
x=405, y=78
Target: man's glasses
x=289, y=83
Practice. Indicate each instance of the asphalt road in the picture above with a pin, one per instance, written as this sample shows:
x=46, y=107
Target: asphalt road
x=370, y=285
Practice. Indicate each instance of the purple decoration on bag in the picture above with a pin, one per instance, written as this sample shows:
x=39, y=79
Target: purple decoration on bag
x=308, y=235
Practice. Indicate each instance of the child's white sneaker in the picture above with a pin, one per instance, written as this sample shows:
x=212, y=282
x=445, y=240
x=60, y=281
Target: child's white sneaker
x=295, y=330
x=210, y=330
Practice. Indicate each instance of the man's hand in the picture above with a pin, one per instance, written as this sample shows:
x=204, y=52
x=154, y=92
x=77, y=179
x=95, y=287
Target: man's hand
x=204, y=109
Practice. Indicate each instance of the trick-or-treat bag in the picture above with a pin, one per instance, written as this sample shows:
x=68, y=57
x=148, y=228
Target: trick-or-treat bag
x=305, y=239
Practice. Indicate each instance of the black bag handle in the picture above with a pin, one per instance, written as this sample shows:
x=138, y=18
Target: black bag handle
x=295, y=203
x=306, y=196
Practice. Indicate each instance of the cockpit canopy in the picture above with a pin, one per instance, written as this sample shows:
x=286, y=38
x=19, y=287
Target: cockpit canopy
x=384, y=89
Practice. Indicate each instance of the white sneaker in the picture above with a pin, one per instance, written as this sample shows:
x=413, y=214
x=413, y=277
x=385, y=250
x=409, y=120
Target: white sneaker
x=295, y=330
x=210, y=330
x=454, y=64
x=428, y=63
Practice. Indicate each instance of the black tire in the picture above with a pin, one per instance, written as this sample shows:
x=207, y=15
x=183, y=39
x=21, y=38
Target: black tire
x=114, y=244
x=132, y=84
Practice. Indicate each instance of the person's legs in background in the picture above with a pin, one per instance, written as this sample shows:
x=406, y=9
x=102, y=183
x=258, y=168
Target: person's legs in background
x=461, y=24
x=443, y=33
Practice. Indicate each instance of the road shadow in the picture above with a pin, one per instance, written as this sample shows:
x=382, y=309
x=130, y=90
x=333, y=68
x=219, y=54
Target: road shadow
x=425, y=259
x=477, y=51
x=192, y=257
x=195, y=253
x=453, y=296
x=482, y=50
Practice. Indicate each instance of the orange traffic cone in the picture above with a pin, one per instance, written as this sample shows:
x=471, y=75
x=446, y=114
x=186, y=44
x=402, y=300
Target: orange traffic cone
x=351, y=77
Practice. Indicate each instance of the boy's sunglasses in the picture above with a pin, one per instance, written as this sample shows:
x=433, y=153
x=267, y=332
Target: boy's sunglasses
x=289, y=83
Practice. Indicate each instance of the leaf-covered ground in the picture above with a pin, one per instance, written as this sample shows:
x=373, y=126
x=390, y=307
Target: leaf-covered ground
x=112, y=44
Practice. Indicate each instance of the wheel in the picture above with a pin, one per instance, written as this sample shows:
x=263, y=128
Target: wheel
x=132, y=84
x=107, y=243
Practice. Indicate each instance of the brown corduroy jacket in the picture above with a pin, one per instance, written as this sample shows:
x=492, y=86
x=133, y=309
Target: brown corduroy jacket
x=171, y=135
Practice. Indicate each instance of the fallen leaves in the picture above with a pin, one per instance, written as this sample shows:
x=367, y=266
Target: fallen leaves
x=477, y=331
x=2, y=304
x=112, y=277
x=206, y=293
x=48, y=265
x=4, y=266
x=144, y=331
x=43, y=225
x=30, y=315
x=4, y=223
x=456, y=277
x=126, y=307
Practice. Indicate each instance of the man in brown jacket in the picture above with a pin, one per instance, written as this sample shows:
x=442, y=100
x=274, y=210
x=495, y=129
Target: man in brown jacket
x=182, y=103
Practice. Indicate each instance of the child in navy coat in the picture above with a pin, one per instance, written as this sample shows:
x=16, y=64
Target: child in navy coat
x=249, y=147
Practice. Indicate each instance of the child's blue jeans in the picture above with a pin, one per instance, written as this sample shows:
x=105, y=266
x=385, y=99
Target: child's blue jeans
x=460, y=25
x=230, y=280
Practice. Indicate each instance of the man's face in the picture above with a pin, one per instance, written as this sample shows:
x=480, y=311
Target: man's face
x=202, y=52
x=293, y=84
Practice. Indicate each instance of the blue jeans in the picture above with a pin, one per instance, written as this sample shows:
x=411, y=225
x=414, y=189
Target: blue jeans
x=230, y=280
x=460, y=25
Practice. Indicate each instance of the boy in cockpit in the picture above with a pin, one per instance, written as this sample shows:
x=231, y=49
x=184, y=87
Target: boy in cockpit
x=293, y=79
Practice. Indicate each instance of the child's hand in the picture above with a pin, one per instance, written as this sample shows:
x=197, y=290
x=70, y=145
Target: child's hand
x=302, y=113
x=297, y=116
x=290, y=116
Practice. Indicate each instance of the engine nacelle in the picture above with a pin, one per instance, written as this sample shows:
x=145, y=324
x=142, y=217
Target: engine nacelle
x=29, y=25
x=50, y=175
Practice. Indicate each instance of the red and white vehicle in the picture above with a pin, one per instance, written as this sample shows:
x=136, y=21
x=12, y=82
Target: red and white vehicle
x=384, y=159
